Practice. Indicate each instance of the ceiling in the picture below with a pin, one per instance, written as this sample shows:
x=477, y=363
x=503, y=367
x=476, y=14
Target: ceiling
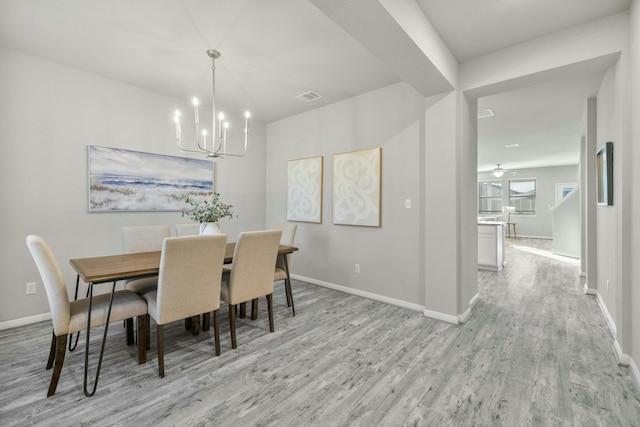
x=535, y=126
x=274, y=50
x=472, y=28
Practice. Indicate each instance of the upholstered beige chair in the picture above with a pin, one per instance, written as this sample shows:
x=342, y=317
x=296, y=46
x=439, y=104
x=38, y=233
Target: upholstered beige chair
x=191, y=229
x=144, y=238
x=69, y=317
x=252, y=274
x=188, y=284
x=288, y=236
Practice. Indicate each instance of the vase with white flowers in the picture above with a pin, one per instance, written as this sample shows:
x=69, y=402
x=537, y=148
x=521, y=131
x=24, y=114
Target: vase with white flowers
x=207, y=212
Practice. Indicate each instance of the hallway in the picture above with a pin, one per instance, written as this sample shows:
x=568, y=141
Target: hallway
x=552, y=343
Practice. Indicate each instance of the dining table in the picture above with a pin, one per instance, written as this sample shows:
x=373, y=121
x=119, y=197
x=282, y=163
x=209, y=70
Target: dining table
x=114, y=268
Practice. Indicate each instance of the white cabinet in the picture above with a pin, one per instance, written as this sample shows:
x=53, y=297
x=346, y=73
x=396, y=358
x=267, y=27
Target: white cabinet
x=491, y=245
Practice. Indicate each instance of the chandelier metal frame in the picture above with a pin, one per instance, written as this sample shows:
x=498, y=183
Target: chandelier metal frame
x=219, y=142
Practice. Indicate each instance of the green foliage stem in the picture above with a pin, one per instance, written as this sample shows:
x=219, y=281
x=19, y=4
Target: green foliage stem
x=210, y=210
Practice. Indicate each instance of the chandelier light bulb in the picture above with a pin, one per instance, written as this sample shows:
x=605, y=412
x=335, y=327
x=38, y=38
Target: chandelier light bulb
x=247, y=114
x=195, y=101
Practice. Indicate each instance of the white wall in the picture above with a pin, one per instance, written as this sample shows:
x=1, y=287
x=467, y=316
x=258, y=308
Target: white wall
x=589, y=261
x=50, y=114
x=442, y=183
x=566, y=225
x=606, y=215
x=389, y=256
x=634, y=49
x=540, y=224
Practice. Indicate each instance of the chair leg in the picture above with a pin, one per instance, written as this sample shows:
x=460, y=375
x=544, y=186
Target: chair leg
x=143, y=330
x=129, y=326
x=160, y=351
x=243, y=310
x=147, y=324
x=195, y=325
x=61, y=349
x=187, y=323
x=232, y=324
x=254, y=309
x=52, y=352
x=216, y=332
x=287, y=285
x=287, y=291
x=270, y=310
x=206, y=321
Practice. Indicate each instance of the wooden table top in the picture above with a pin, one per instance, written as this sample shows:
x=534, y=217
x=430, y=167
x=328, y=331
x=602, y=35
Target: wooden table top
x=129, y=266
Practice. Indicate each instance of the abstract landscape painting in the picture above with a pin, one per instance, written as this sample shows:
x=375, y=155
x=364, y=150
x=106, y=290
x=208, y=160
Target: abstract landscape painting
x=124, y=180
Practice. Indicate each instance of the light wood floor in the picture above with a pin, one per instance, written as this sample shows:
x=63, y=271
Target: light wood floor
x=535, y=352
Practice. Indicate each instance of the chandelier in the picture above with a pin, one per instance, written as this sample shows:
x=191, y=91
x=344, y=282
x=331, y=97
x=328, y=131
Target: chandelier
x=218, y=146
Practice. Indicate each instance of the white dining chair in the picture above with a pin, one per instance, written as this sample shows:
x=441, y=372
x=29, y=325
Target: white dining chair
x=252, y=274
x=191, y=229
x=69, y=317
x=144, y=238
x=280, y=274
x=188, y=284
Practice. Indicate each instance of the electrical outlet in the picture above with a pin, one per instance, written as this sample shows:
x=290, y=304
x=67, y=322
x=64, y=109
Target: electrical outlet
x=357, y=269
x=407, y=203
x=31, y=288
x=608, y=285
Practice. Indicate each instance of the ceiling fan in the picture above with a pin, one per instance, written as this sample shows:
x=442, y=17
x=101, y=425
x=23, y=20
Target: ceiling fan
x=498, y=171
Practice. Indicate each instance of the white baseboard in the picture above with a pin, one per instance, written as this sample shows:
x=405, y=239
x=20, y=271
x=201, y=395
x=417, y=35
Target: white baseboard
x=462, y=318
x=360, y=293
x=566, y=255
x=589, y=291
x=635, y=373
x=607, y=315
x=24, y=321
x=441, y=316
x=474, y=300
x=416, y=307
x=533, y=237
x=623, y=358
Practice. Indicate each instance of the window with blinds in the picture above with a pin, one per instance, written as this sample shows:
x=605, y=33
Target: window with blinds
x=522, y=195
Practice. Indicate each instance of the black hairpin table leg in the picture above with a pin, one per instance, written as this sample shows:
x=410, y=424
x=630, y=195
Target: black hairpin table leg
x=104, y=340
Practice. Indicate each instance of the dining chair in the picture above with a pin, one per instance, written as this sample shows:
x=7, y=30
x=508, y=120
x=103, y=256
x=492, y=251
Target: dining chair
x=288, y=236
x=191, y=229
x=69, y=317
x=188, y=284
x=251, y=276
x=142, y=238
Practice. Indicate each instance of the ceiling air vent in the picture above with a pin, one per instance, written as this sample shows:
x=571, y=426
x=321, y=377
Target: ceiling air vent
x=483, y=114
x=308, y=96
